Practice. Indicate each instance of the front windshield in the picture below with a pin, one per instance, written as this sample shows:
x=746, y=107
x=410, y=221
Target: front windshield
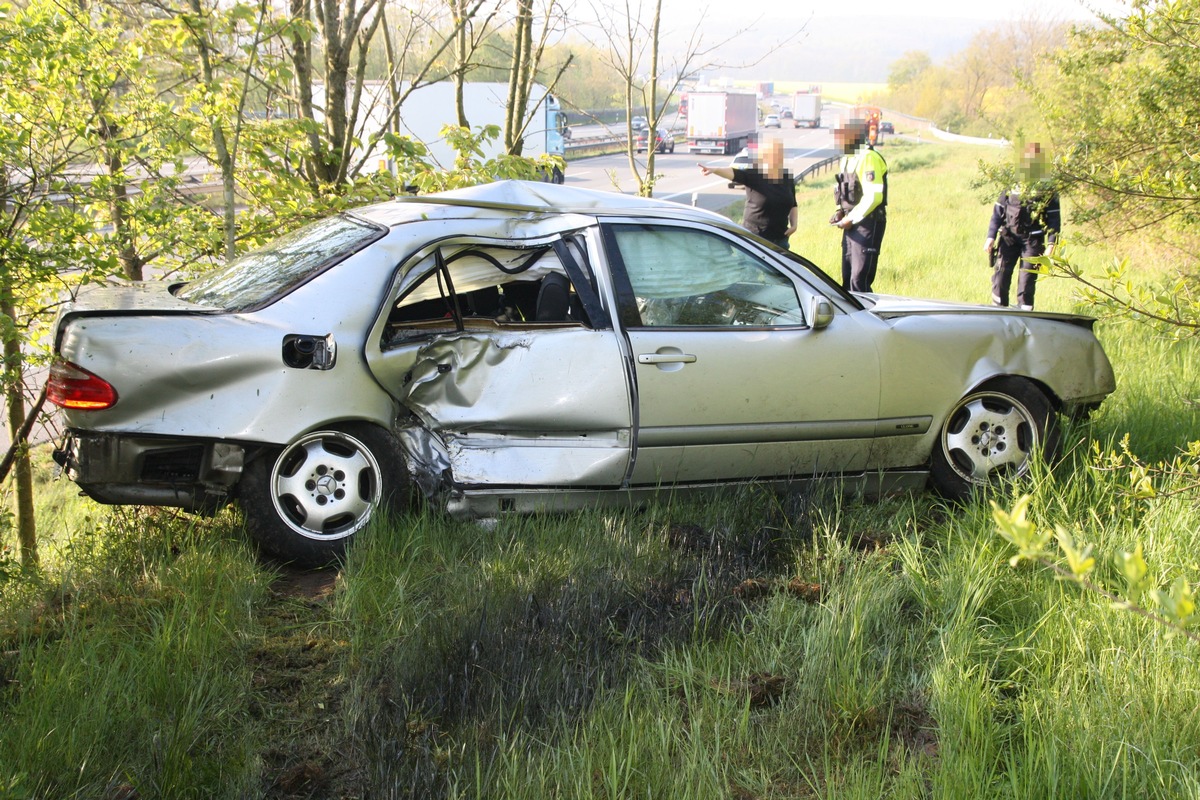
x=259, y=277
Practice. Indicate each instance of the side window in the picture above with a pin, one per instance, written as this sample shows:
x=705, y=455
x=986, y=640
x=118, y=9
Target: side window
x=480, y=288
x=689, y=278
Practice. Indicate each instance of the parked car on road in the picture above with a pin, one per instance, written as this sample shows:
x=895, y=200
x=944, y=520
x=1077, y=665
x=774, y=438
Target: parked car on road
x=743, y=160
x=521, y=346
x=886, y=127
x=664, y=141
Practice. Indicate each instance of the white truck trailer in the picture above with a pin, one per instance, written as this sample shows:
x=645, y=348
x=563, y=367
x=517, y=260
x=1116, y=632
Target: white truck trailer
x=721, y=122
x=430, y=107
x=806, y=110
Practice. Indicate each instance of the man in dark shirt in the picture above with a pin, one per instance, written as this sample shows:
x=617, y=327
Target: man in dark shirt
x=770, y=194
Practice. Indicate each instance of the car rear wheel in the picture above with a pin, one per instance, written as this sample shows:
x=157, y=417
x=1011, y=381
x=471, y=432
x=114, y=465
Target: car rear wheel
x=991, y=435
x=304, y=504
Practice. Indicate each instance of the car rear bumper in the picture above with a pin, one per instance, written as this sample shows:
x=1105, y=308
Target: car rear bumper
x=115, y=468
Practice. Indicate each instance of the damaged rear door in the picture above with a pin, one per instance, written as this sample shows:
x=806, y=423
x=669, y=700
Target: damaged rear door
x=508, y=363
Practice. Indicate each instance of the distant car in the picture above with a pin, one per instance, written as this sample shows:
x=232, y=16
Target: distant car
x=638, y=123
x=772, y=121
x=521, y=346
x=665, y=142
x=785, y=114
x=887, y=127
x=743, y=160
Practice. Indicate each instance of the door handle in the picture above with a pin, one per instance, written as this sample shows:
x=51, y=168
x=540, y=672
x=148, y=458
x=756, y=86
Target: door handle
x=666, y=358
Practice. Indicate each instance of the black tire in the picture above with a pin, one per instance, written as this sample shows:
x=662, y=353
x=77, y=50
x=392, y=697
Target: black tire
x=991, y=435
x=304, y=504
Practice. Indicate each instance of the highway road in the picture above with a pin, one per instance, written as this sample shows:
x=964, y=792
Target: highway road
x=681, y=179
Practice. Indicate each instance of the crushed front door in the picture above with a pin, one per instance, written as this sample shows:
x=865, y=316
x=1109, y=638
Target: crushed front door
x=515, y=387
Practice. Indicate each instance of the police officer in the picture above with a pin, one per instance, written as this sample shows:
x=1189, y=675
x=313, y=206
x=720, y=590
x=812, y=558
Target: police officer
x=770, y=194
x=1025, y=222
x=861, y=195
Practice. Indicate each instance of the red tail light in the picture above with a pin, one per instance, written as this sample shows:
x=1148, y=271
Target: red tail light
x=74, y=387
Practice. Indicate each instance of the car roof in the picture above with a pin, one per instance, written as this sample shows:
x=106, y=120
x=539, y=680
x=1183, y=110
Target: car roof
x=511, y=198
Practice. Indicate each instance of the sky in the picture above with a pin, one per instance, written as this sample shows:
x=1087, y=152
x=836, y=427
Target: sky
x=962, y=9
x=835, y=41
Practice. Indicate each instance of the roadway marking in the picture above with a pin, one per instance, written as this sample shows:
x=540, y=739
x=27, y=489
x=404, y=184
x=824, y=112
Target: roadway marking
x=703, y=188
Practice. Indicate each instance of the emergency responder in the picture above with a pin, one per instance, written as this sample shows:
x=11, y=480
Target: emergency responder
x=770, y=194
x=1025, y=224
x=861, y=195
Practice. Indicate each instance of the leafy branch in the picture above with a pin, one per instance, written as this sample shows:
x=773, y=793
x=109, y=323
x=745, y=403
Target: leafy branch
x=1174, y=607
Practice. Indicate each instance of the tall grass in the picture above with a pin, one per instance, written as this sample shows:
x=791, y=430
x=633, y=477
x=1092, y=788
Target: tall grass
x=745, y=645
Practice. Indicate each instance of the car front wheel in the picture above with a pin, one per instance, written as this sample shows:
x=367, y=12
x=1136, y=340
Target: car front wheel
x=304, y=504
x=992, y=434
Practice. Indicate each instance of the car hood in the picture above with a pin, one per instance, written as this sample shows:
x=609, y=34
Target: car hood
x=894, y=306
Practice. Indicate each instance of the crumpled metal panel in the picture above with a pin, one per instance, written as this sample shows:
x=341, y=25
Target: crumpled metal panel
x=559, y=379
x=428, y=462
x=547, y=407
x=928, y=362
x=546, y=460
x=955, y=353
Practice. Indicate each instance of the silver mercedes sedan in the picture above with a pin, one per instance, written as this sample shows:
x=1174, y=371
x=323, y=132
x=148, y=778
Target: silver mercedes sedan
x=525, y=346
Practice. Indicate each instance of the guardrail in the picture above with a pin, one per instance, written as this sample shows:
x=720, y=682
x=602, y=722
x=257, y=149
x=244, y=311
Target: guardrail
x=600, y=145
x=820, y=166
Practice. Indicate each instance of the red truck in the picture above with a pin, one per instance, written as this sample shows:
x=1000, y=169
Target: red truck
x=721, y=122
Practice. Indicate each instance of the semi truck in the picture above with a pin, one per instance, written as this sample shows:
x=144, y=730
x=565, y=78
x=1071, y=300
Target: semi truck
x=721, y=122
x=428, y=108
x=806, y=110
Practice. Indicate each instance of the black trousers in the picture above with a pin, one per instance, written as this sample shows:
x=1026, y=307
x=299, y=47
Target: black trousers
x=1006, y=262
x=860, y=251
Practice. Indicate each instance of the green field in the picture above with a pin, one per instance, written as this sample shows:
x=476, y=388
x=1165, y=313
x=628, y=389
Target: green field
x=751, y=645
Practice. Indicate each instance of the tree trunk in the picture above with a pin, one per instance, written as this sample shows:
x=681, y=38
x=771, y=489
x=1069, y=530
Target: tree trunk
x=220, y=144
x=519, y=79
x=22, y=468
x=461, y=53
x=646, y=185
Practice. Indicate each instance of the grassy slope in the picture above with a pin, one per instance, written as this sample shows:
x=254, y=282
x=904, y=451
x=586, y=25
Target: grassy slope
x=751, y=646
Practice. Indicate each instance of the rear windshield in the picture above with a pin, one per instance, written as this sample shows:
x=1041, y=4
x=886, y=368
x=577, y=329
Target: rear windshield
x=260, y=277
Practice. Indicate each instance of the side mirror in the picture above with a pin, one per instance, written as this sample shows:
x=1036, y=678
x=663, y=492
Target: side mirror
x=820, y=312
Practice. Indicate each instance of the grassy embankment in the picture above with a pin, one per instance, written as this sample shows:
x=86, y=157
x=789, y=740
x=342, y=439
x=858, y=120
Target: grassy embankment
x=751, y=646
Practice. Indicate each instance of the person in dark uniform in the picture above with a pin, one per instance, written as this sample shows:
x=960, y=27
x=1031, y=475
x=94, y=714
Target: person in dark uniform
x=770, y=194
x=861, y=196
x=1025, y=224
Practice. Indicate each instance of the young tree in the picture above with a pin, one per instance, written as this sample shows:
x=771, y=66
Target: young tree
x=1123, y=107
x=650, y=77
x=48, y=132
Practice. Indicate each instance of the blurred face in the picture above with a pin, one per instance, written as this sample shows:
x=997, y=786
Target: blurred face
x=850, y=135
x=1033, y=162
x=771, y=154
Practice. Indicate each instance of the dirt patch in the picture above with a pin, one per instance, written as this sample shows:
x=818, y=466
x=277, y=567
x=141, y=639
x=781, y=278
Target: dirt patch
x=298, y=683
x=308, y=584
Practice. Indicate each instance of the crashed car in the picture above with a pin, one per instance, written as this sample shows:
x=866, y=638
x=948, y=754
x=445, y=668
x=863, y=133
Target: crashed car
x=525, y=346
